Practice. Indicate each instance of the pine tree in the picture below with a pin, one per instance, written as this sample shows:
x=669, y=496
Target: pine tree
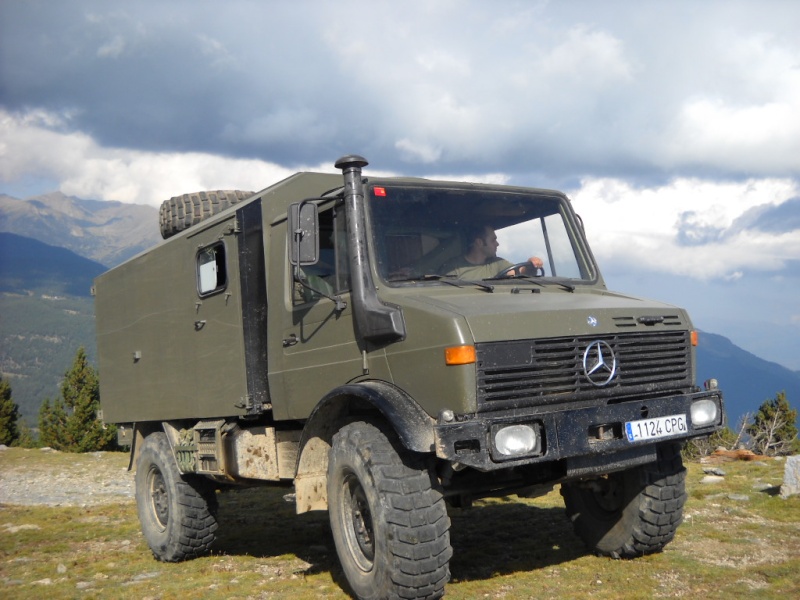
x=70, y=423
x=26, y=438
x=9, y=416
x=53, y=425
x=773, y=430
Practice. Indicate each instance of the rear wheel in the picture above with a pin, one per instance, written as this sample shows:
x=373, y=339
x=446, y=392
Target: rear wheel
x=177, y=513
x=388, y=517
x=631, y=513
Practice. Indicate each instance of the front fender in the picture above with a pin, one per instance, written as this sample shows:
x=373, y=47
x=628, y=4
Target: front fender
x=413, y=426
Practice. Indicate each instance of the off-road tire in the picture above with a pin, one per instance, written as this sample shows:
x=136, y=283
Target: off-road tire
x=388, y=517
x=181, y=212
x=631, y=513
x=177, y=513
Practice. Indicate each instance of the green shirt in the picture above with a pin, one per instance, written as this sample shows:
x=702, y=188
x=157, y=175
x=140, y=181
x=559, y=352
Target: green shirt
x=463, y=269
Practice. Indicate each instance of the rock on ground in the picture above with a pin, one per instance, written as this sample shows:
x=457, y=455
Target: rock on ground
x=791, y=477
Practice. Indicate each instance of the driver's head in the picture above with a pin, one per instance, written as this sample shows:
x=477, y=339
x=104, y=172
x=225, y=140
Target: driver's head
x=483, y=242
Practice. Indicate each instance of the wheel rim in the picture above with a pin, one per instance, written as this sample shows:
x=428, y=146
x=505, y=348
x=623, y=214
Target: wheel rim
x=609, y=495
x=159, y=498
x=357, y=520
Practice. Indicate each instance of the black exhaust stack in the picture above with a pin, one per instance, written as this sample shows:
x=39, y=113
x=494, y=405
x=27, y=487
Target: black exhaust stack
x=377, y=322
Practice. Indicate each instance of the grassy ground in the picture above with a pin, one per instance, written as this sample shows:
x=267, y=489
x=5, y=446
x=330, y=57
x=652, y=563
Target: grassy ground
x=739, y=540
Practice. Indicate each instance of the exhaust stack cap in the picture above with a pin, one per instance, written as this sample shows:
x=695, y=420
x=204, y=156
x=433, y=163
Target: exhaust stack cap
x=351, y=161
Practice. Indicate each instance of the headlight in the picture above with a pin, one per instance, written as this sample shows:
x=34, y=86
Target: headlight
x=704, y=412
x=515, y=440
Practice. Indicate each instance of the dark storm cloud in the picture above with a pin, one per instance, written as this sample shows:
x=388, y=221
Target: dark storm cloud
x=171, y=77
x=536, y=90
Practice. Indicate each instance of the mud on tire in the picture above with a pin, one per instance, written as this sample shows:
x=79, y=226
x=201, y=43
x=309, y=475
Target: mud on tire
x=388, y=517
x=177, y=513
x=181, y=212
x=631, y=513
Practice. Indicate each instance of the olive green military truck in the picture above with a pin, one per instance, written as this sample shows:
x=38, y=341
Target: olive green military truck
x=313, y=334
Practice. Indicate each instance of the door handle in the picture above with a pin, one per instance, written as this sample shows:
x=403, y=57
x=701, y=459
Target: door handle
x=290, y=341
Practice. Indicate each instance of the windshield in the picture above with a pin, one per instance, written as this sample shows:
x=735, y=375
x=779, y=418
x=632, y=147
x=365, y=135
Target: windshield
x=431, y=232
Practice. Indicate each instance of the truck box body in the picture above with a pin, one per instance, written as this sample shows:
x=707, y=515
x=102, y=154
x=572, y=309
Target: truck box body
x=168, y=352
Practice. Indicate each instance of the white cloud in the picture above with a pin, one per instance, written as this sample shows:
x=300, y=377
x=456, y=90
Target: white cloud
x=587, y=56
x=113, y=48
x=30, y=147
x=415, y=151
x=746, y=116
x=217, y=51
x=685, y=227
x=745, y=138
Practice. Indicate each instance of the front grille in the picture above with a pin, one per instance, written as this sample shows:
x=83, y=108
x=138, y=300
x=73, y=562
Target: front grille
x=538, y=372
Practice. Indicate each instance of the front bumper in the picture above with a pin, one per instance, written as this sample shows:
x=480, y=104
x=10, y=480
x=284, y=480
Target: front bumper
x=589, y=438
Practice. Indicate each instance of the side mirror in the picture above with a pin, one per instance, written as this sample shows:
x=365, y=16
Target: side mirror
x=304, y=234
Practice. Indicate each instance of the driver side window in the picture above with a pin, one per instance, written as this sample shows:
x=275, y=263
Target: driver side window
x=330, y=274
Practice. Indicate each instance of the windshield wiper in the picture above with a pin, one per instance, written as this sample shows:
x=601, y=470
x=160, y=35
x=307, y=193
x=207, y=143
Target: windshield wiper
x=567, y=286
x=449, y=280
x=528, y=278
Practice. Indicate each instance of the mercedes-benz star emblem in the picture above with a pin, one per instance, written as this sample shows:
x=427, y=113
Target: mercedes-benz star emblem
x=592, y=321
x=599, y=363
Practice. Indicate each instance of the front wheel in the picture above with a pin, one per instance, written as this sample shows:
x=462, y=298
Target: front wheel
x=631, y=513
x=388, y=517
x=176, y=512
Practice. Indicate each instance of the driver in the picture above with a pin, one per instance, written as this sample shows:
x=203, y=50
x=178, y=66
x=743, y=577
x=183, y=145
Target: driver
x=481, y=260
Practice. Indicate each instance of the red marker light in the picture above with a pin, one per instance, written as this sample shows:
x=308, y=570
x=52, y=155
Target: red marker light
x=379, y=192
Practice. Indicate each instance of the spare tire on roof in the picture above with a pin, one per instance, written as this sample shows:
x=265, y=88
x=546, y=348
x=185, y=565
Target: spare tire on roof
x=181, y=212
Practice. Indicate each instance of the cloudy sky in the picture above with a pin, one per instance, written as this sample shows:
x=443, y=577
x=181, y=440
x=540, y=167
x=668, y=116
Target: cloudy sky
x=674, y=126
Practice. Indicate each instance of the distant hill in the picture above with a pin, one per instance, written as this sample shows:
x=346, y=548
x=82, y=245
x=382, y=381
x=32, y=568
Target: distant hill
x=745, y=379
x=28, y=265
x=46, y=314
x=39, y=336
x=106, y=232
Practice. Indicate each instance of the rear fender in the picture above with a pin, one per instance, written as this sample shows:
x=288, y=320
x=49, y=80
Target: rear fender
x=142, y=430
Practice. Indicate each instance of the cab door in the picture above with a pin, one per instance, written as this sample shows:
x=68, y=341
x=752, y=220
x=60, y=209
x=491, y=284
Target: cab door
x=312, y=346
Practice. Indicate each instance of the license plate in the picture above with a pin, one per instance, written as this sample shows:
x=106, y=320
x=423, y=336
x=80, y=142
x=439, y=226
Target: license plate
x=650, y=429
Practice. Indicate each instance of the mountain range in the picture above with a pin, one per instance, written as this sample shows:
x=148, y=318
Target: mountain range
x=52, y=247
x=106, y=232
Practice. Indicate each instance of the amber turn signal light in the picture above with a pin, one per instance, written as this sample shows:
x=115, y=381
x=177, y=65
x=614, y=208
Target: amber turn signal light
x=459, y=355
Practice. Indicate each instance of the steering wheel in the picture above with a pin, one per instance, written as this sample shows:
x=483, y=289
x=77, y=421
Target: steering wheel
x=521, y=269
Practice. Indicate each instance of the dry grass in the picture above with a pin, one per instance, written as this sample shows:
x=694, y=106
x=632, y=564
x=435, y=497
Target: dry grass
x=728, y=547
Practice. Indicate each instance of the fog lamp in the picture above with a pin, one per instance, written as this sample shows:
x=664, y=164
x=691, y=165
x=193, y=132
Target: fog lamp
x=515, y=440
x=704, y=412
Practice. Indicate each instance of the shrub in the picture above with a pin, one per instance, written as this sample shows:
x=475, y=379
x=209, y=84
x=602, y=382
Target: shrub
x=773, y=431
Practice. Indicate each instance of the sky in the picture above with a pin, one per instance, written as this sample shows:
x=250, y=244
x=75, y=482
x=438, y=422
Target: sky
x=673, y=126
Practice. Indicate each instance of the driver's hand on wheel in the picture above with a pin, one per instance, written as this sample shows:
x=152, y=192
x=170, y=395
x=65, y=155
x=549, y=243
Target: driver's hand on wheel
x=524, y=270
